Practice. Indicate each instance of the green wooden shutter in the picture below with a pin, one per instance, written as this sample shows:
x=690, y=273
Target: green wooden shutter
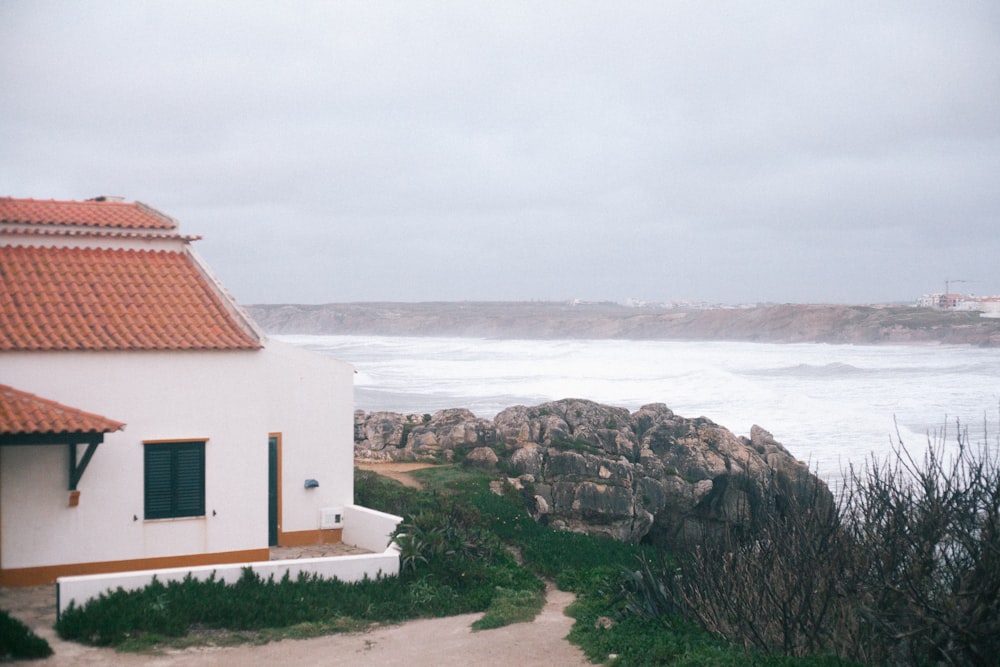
x=189, y=461
x=158, y=482
x=175, y=480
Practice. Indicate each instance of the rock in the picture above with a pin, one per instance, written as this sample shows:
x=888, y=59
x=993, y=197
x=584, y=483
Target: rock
x=377, y=435
x=482, y=457
x=392, y=436
x=599, y=469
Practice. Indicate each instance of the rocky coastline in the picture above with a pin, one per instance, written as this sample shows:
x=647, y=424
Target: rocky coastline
x=583, y=466
x=785, y=323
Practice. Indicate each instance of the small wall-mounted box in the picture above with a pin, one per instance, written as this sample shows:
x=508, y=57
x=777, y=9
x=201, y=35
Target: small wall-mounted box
x=331, y=517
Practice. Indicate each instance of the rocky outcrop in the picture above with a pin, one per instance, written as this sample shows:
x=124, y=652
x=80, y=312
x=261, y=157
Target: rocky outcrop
x=390, y=436
x=600, y=469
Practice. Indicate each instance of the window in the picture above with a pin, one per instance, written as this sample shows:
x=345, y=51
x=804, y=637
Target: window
x=175, y=479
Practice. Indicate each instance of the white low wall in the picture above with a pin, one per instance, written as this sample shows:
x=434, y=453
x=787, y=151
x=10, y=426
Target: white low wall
x=363, y=527
x=367, y=528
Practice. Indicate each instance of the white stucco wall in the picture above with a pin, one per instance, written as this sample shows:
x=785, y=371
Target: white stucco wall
x=234, y=399
x=369, y=529
x=311, y=401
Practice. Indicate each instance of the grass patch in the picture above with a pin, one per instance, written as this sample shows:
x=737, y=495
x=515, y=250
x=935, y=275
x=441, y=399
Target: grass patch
x=449, y=478
x=510, y=606
x=639, y=642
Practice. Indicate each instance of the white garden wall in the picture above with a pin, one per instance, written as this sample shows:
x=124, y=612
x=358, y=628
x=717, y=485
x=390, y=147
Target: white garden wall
x=80, y=589
x=368, y=528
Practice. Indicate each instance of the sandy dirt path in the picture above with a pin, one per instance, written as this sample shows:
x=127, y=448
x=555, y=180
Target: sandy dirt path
x=397, y=471
x=440, y=642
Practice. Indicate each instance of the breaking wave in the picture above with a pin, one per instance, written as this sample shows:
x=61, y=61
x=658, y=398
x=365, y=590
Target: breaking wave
x=830, y=405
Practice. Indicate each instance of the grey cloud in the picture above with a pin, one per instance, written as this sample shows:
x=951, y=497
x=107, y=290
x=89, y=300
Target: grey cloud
x=359, y=151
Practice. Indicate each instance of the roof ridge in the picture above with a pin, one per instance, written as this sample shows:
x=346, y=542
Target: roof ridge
x=152, y=211
x=99, y=212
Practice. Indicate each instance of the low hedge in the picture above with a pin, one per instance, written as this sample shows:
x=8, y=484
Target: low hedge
x=18, y=642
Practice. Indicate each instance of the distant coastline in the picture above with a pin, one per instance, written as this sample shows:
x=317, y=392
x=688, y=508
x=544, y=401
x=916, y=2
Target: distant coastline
x=785, y=323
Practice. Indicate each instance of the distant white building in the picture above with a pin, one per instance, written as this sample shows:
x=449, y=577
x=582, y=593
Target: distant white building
x=988, y=306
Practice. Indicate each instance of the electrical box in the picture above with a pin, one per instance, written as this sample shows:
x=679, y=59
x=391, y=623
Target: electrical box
x=331, y=517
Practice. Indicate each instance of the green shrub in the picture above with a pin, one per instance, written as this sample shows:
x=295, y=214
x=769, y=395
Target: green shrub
x=18, y=642
x=250, y=604
x=635, y=641
x=384, y=494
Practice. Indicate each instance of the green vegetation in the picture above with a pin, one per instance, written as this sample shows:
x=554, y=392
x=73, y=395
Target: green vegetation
x=904, y=570
x=18, y=642
x=510, y=606
x=452, y=564
x=577, y=445
x=464, y=548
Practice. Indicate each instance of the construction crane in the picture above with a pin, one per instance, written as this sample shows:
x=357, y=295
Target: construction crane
x=948, y=282
x=945, y=301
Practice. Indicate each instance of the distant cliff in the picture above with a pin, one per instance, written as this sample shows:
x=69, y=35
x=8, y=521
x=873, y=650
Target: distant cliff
x=789, y=323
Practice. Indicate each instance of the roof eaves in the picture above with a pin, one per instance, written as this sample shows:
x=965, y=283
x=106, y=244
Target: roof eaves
x=7, y=229
x=233, y=308
x=24, y=413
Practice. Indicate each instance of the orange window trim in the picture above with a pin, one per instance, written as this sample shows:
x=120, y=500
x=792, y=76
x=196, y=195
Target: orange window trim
x=167, y=441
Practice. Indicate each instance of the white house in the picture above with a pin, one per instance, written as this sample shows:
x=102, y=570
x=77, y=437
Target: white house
x=145, y=422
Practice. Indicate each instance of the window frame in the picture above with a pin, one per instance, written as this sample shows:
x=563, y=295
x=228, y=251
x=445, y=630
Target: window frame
x=179, y=474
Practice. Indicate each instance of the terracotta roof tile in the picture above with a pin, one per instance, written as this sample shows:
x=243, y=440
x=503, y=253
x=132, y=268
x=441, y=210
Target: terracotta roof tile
x=91, y=213
x=22, y=413
x=111, y=299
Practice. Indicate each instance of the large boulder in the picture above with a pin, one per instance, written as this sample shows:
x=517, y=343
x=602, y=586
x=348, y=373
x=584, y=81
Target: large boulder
x=601, y=470
x=391, y=436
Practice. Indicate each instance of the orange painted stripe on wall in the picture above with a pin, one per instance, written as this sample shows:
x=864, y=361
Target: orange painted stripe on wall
x=47, y=574
x=305, y=538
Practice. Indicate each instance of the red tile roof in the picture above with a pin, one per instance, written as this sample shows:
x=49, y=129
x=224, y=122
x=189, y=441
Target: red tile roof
x=112, y=299
x=22, y=413
x=91, y=213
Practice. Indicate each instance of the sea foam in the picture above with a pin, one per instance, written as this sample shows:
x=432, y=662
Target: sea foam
x=830, y=405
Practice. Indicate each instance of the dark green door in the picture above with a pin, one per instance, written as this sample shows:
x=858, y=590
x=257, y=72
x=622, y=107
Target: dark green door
x=272, y=491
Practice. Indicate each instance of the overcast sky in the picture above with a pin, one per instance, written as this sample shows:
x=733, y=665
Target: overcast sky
x=842, y=152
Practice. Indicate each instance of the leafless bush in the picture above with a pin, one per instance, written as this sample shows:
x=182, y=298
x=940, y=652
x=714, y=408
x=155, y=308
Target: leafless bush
x=904, y=569
x=928, y=553
x=778, y=586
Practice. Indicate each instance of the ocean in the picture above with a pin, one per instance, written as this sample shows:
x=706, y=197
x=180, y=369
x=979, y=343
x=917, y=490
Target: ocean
x=830, y=405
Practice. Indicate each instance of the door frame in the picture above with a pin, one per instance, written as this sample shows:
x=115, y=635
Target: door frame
x=273, y=489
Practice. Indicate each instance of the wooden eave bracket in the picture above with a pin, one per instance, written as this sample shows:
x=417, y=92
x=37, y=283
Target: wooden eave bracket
x=77, y=467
